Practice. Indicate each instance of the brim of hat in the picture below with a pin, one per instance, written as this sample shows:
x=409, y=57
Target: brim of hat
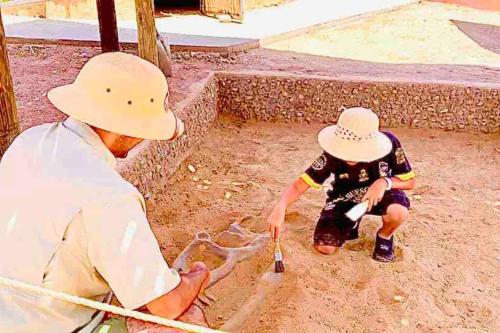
x=355, y=151
x=75, y=103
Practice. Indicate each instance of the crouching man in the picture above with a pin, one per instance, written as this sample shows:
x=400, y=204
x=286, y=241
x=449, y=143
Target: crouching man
x=363, y=164
x=69, y=222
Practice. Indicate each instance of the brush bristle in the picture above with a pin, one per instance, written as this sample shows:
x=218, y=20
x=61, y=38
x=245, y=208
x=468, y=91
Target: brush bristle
x=279, y=267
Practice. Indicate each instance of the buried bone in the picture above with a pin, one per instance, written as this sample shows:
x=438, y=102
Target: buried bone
x=239, y=244
x=231, y=247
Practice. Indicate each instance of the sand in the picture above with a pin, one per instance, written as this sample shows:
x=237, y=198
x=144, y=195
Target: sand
x=445, y=276
x=448, y=253
x=421, y=33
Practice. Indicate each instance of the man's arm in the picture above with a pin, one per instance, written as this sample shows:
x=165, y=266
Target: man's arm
x=291, y=194
x=177, y=301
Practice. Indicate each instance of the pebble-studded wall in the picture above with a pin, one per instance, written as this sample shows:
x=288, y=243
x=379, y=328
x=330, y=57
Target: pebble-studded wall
x=269, y=96
x=266, y=96
x=157, y=160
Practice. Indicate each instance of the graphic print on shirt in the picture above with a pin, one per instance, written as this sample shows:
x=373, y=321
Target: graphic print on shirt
x=400, y=156
x=383, y=169
x=363, y=176
x=319, y=163
x=355, y=195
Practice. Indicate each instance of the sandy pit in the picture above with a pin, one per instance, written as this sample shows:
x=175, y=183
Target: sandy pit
x=445, y=278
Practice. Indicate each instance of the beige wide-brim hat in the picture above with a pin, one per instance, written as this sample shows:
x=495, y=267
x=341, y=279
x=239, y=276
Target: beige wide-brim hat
x=120, y=93
x=355, y=137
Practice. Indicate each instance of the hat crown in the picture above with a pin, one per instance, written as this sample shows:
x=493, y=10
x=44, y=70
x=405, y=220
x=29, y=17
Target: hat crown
x=120, y=93
x=361, y=122
x=124, y=79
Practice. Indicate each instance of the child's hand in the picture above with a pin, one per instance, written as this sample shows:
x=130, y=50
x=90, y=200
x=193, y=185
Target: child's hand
x=375, y=193
x=275, y=221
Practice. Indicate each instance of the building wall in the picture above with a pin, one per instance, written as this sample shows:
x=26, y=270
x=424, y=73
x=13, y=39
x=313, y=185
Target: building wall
x=252, y=4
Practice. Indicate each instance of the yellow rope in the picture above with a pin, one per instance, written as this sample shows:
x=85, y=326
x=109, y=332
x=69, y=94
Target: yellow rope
x=105, y=307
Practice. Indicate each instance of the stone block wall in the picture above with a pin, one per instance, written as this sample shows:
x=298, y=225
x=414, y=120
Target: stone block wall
x=266, y=96
x=157, y=160
x=269, y=96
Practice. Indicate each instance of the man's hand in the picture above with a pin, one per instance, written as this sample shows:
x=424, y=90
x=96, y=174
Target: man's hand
x=174, y=303
x=375, y=193
x=276, y=220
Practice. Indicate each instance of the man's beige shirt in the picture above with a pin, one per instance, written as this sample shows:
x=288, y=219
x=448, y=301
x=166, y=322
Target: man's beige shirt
x=70, y=222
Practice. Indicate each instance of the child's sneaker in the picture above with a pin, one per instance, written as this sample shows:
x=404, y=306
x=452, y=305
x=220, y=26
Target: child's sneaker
x=384, y=249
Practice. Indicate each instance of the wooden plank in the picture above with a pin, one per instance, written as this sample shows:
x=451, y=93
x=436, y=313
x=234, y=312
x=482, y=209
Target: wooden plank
x=9, y=122
x=231, y=7
x=146, y=30
x=108, y=29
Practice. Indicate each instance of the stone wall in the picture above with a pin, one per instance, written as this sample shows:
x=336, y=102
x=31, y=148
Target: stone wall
x=269, y=96
x=266, y=96
x=157, y=160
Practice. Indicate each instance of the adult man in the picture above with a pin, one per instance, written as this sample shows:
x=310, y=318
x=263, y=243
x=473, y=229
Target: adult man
x=70, y=222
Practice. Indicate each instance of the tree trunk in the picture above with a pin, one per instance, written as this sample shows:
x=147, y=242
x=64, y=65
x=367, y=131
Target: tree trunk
x=9, y=122
x=146, y=30
x=107, y=25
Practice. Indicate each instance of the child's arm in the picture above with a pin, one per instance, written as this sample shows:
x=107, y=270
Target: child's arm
x=291, y=194
x=377, y=189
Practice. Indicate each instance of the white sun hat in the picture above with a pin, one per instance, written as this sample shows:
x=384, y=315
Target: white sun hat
x=355, y=137
x=120, y=93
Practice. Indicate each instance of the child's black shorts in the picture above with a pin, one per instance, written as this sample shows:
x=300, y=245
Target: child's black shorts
x=333, y=227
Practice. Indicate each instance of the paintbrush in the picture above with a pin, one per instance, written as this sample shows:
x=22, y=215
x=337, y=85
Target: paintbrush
x=278, y=257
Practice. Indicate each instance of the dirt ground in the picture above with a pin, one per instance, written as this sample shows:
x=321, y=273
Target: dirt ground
x=447, y=268
x=421, y=33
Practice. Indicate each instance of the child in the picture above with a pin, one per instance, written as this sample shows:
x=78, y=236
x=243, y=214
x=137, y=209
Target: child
x=365, y=165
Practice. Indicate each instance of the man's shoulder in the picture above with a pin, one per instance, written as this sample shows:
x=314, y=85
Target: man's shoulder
x=63, y=159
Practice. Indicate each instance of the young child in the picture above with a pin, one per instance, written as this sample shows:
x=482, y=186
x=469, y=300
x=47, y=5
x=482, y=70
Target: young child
x=365, y=165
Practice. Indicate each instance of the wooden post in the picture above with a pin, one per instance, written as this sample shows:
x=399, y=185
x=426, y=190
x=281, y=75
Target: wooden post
x=107, y=25
x=9, y=122
x=146, y=30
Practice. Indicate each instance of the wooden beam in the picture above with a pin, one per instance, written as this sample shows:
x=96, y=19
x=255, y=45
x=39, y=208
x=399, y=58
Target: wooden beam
x=146, y=28
x=9, y=122
x=108, y=29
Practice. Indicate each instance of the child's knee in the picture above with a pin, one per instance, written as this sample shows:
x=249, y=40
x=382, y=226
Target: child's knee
x=326, y=249
x=396, y=214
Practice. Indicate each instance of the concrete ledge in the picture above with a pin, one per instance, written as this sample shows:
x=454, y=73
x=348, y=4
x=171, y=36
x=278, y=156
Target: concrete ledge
x=268, y=96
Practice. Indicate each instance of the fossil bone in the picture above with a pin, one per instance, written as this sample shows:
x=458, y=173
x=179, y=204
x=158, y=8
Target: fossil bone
x=231, y=246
